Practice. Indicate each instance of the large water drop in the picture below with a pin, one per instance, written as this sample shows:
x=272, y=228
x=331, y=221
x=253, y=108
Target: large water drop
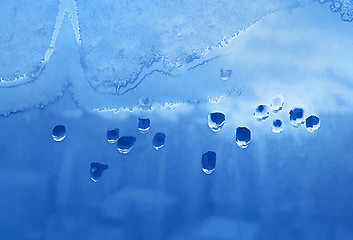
x=208, y=162
x=96, y=170
x=296, y=117
x=277, y=126
x=261, y=112
x=312, y=123
x=158, y=140
x=277, y=103
x=59, y=133
x=216, y=121
x=113, y=135
x=143, y=125
x=125, y=144
x=242, y=137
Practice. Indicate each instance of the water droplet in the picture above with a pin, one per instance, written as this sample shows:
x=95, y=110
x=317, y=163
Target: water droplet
x=59, y=133
x=208, y=162
x=277, y=126
x=226, y=74
x=113, y=135
x=158, y=140
x=125, y=144
x=216, y=121
x=261, y=112
x=277, y=103
x=296, y=117
x=145, y=103
x=96, y=170
x=144, y=125
x=242, y=137
x=312, y=123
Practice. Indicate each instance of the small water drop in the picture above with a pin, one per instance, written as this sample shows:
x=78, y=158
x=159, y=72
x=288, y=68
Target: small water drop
x=277, y=103
x=226, y=74
x=208, y=162
x=216, y=121
x=277, y=126
x=261, y=112
x=312, y=123
x=112, y=135
x=144, y=125
x=296, y=117
x=125, y=144
x=242, y=137
x=158, y=140
x=145, y=103
x=96, y=170
x=59, y=133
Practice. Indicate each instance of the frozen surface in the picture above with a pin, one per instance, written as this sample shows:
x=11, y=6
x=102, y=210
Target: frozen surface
x=102, y=65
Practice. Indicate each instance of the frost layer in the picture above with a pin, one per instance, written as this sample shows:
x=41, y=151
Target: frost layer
x=26, y=28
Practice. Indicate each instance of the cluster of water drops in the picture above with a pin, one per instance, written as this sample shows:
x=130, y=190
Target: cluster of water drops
x=296, y=116
x=124, y=144
x=216, y=121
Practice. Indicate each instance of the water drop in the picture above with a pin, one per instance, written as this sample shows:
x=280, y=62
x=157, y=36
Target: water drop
x=277, y=126
x=96, y=170
x=277, y=103
x=296, y=117
x=145, y=103
x=113, y=135
x=226, y=74
x=261, y=112
x=216, y=121
x=125, y=144
x=59, y=133
x=242, y=137
x=208, y=162
x=144, y=125
x=158, y=140
x=312, y=123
